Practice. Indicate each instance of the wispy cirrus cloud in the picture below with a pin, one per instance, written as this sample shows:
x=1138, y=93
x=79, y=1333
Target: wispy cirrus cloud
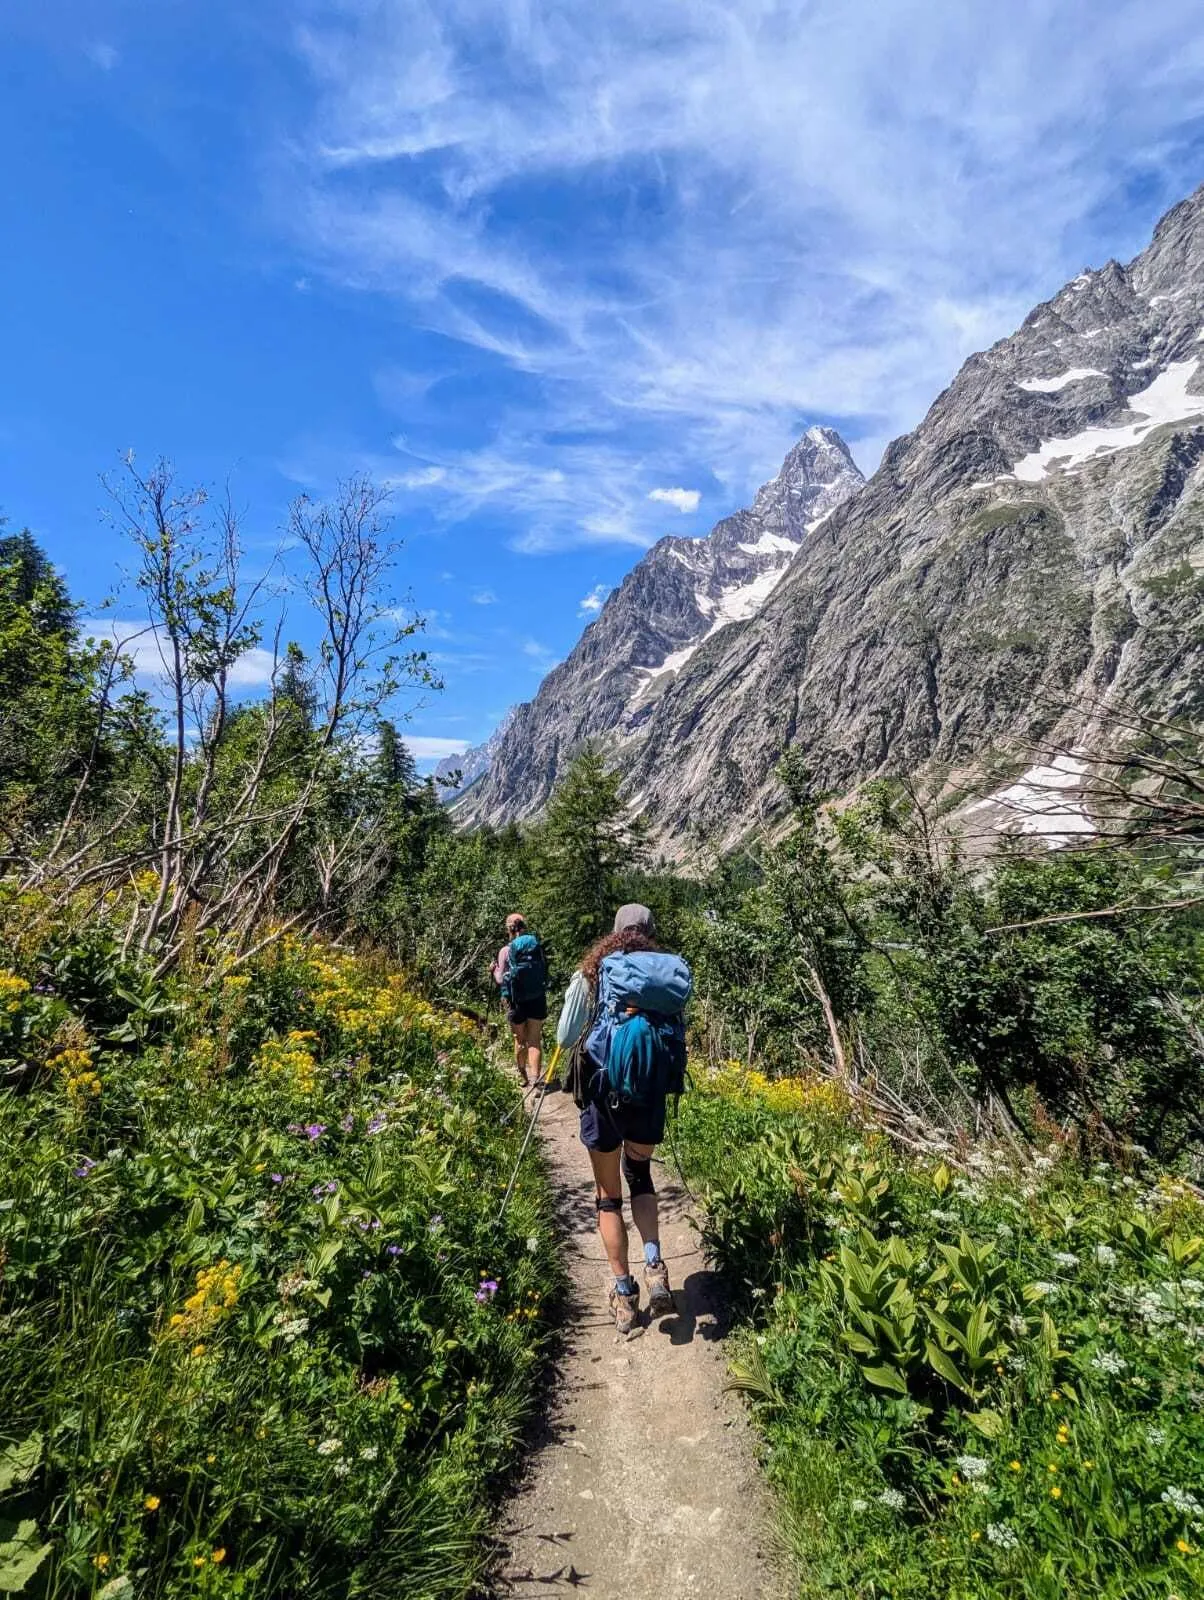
x=693, y=229
x=431, y=747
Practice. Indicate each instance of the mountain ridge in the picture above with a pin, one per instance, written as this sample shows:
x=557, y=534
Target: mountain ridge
x=1035, y=543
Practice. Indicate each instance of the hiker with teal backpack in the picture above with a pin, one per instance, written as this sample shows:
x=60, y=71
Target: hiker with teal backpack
x=521, y=973
x=622, y=1020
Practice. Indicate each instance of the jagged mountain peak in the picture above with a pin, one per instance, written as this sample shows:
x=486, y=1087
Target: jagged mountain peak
x=681, y=594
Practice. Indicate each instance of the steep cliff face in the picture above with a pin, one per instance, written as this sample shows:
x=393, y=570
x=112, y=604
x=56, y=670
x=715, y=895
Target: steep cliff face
x=682, y=593
x=1037, y=541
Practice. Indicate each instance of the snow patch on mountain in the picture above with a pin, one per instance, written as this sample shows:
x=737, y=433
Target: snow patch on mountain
x=1042, y=802
x=1165, y=400
x=1052, y=385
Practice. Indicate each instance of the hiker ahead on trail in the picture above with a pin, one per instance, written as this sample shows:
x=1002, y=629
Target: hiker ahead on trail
x=622, y=1019
x=521, y=973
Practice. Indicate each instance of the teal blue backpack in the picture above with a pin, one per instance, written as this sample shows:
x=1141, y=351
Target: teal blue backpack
x=638, y=1036
x=526, y=977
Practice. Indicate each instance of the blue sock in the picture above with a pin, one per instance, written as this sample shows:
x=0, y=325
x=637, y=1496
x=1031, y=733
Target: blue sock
x=652, y=1254
x=625, y=1285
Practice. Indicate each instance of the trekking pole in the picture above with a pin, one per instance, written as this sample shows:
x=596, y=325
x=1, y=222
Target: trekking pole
x=497, y=1221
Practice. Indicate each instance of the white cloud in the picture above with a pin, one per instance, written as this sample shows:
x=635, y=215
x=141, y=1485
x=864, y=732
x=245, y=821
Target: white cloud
x=101, y=55
x=484, y=597
x=594, y=600
x=837, y=202
x=427, y=747
x=138, y=642
x=683, y=499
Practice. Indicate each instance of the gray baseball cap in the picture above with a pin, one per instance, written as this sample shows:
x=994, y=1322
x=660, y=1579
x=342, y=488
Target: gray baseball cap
x=634, y=917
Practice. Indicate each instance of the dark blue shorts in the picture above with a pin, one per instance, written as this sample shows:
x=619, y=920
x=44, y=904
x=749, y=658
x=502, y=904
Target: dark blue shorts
x=533, y=1010
x=605, y=1127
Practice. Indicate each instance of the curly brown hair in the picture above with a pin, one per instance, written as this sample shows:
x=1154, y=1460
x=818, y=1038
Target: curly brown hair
x=610, y=944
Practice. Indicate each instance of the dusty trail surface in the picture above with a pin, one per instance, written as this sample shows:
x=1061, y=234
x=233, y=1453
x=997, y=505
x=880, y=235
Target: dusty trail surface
x=642, y=1482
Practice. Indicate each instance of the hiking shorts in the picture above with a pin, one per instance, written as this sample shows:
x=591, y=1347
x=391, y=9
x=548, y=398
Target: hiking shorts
x=604, y=1127
x=527, y=1011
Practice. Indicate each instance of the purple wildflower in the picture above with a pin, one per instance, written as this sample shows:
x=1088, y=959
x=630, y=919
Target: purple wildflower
x=85, y=1167
x=276, y=1177
x=487, y=1290
x=436, y=1222
x=375, y=1125
x=394, y=1249
x=348, y=1122
x=314, y=1130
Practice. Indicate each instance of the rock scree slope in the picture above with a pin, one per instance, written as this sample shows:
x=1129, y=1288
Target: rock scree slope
x=1035, y=545
x=644, y=1482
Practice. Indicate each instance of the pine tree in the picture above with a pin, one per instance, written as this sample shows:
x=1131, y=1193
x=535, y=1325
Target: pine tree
x=586, y=845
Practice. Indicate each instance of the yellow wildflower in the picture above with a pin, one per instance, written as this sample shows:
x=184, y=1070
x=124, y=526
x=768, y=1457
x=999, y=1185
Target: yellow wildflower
x=1055, y=1493
x=100, y=1561
x=1014, y=1466
x=152, y=1502
x=218, y=1556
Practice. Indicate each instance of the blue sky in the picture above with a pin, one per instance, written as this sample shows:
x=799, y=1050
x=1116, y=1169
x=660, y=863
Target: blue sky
x=536, y=266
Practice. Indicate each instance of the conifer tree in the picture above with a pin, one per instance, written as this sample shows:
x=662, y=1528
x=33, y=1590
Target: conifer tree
x=587, y=844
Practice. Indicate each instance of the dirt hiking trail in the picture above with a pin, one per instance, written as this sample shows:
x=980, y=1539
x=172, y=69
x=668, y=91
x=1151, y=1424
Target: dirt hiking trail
x=641, y=1484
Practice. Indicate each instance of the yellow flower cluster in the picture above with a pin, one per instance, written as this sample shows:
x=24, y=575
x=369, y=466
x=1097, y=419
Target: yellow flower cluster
x=290, y=1060
x=83, y=1084
x=798, y=1096
x=146, y=883
x=215, y=1297
x=365, y=1005
x=12, y=991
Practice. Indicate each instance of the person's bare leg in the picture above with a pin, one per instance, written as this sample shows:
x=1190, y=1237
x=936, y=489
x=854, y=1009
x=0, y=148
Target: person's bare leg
x=608, y=1182
x=645, y=1212
x=519, y=1031
x=534, y=1043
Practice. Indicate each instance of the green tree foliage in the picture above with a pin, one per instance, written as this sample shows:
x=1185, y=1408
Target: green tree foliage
x=587, y=847
x=49, y=681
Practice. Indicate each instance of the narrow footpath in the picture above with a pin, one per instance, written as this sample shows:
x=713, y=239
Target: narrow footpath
x=642, y=1483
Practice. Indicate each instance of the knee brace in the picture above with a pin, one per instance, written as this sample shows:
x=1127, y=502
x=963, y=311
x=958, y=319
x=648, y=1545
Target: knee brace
x=638, y=1175
x=606, y=1202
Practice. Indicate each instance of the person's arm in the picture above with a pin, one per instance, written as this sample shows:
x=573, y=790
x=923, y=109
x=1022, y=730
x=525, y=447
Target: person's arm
x=575, y=1012
x=501, y=965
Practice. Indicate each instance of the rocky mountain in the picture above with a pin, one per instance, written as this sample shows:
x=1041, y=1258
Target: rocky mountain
x=681, y=594
x=1037, y=543
x=455, y=774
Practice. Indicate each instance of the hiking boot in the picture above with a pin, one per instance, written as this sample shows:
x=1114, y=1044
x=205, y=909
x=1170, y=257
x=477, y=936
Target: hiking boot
x=660, y=1296
x=626, y=1308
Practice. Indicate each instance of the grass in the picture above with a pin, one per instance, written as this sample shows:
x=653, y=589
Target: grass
x=975, y=1381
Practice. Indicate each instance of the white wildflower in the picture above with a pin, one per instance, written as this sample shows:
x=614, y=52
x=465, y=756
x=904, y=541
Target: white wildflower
x=1182, y=1500
x=1048, y=1291
x=1110, y=1362
x=532, y=1242
x=369, y=1452
x=1004, y=1230
x=329, y=1446
x=859, y=1505
x=1066, y=1258
x=999, y=1533
x=1105, y=1255
x=1018, y=1324
x=894, y=1501
x=342, y=1468
x=1156, y=1435
x=972, y=1467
